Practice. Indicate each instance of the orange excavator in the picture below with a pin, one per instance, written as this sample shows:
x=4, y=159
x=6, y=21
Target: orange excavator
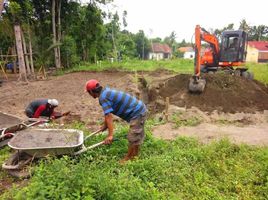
x=228, y=56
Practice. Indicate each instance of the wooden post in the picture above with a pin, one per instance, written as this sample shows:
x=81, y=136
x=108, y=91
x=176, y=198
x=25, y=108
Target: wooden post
x=30, y=50
x=166, y=108
x=25, y=54
x=20, y=54
x=3, y=70
x=13, y=52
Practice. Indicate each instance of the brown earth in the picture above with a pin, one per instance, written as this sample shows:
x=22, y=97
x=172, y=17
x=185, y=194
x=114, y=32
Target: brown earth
x=224, y=93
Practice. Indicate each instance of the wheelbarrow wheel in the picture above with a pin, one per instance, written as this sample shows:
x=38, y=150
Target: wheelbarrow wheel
x=17, y=165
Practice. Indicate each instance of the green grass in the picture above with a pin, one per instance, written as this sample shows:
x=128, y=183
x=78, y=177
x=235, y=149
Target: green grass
x=177, y=65
x=260, y=71
x=178, y=120
x=180, y=169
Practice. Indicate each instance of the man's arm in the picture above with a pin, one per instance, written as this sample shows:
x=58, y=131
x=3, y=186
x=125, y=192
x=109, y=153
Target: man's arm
x=108, y=122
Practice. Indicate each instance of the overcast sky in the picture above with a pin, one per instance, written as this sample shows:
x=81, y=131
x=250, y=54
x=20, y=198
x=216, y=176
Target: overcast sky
x=158, y=18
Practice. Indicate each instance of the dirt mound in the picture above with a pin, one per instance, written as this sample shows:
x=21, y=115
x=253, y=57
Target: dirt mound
x=223, y=92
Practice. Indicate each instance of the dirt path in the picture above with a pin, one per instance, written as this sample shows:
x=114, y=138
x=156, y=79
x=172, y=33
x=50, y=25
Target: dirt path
x=252, y=134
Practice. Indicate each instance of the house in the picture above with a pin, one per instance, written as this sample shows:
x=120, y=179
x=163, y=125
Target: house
x=257, y=51
x=188, y=52
x=159, y=52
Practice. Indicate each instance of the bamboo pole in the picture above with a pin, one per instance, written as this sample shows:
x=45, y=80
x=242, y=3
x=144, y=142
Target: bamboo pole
x=28, y=70
x=22, y=75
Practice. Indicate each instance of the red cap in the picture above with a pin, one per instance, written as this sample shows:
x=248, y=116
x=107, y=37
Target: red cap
x=92, y=84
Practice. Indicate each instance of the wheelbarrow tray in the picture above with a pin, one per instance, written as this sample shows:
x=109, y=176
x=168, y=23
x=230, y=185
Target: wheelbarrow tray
x=42, y=142
x=9, y=122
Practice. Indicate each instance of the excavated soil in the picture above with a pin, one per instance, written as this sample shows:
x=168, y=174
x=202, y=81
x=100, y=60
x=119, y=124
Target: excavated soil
x=224, y=93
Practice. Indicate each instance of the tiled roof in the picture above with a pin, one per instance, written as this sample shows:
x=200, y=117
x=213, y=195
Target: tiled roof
x=161, y=48
x=260, y=45
x=186, y=49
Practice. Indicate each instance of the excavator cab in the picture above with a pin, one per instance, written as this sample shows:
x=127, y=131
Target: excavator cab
x=233, y=46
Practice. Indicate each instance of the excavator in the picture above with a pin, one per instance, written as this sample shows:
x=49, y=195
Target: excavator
x=228, y=56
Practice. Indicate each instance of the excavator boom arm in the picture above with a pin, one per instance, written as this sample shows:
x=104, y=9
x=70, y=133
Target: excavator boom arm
x=202, y=35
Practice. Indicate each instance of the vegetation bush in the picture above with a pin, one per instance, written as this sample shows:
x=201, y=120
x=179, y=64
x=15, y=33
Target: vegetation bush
x=179, y=169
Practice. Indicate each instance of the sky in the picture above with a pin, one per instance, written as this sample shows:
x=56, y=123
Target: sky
x=158, y=18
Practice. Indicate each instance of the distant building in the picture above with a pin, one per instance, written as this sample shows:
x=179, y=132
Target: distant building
x=160, y=51
x=188, y=52
x=257, y=51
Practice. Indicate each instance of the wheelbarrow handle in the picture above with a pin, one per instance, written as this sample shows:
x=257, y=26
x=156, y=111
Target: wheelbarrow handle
x=91, y=147
x=87, y=148
x=94, y=133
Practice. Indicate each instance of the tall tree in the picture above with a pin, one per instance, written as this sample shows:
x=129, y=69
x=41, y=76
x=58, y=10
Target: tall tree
x=54, y=7
x=244, y=25
x=1, y=7
x=142, y=44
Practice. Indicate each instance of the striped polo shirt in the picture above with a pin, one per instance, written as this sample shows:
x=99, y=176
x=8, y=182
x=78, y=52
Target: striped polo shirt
x=121, y=104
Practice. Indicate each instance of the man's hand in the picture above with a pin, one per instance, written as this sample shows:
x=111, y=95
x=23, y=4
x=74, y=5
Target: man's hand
x=108, y=140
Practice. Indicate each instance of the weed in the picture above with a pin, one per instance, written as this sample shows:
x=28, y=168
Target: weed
x=179, y=121
x=179, y=169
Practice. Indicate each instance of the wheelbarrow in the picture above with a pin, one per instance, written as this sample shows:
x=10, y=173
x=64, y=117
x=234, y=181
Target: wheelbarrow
x=9, y=125
x=38, y=143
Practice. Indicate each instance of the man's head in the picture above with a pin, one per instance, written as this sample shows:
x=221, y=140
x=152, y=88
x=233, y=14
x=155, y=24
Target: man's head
x=94, y=88
x=52, y=103
x=235, y=40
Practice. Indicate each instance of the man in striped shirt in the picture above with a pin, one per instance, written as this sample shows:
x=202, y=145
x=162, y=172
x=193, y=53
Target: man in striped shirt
x=124, y=106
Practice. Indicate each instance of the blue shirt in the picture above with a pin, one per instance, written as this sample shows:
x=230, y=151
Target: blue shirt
x=121, y=104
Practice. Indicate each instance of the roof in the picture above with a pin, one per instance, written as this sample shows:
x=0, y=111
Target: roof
x=186, y=49
x=260, y=45
x=161, y=48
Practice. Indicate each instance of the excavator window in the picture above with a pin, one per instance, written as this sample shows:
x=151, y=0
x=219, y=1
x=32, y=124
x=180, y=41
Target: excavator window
x=230, y=48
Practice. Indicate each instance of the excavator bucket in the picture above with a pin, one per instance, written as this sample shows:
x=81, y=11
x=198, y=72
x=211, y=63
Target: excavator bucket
x=196, y=84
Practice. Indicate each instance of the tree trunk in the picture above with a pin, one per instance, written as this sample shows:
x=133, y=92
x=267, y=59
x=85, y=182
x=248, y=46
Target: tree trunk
x=30, y=50
x=28, y=70
x=1, y=6
x=56, y=55
x=13, y=52
x=59, y=30
x=20, y=54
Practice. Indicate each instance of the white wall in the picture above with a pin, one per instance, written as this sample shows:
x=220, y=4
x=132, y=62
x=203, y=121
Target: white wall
x=156, y=56
x=189, y=55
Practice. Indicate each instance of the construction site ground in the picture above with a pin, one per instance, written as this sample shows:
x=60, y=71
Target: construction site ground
x=230, y=106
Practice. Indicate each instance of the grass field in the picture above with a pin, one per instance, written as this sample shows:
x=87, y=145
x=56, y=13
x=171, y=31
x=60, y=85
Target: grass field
x=260, y=71
x=181, y=169
x=177, y=65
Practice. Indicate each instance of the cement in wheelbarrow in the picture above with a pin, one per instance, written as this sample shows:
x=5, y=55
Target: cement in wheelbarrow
x=8, y=120
x=41, y=142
